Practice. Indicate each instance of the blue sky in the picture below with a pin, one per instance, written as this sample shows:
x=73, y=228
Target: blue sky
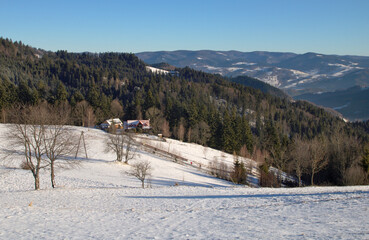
x=323, y=26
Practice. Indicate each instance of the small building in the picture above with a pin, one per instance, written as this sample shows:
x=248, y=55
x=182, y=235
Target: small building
x=108, y=124
x=135, y=124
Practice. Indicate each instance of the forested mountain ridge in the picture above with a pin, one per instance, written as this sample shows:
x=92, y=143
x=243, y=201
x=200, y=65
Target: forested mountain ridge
x=309, y=72
x=296, y=74
x=193, y=106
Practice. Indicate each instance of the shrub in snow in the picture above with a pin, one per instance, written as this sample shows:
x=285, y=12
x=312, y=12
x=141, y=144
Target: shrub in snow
x=141, y=170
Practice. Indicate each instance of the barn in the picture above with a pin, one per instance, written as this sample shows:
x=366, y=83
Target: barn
x=137, y=124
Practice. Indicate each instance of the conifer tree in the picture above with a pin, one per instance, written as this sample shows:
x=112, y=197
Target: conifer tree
x=61, y=93
x=149, y=100
x=227, y=134
x=24, y=93
x=239, y=171
x=2, y=95
x=247, y=137
x=365, y=161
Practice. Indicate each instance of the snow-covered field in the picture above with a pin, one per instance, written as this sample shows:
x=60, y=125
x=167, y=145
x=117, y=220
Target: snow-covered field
x=99, y=201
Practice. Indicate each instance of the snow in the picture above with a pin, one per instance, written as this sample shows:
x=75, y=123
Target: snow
x=99, y=200
x=232, y=69
x=156, y=70
x=244, y=63
x=290, y=85
x=299, y=73
x=341, y=107
x=220, y=53
x=212, y=67
x=271, y=79
x=337, y=65
x=343, y=69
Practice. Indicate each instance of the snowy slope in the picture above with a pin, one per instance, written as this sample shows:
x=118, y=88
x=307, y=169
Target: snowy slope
x=156, y=70
x=100, y=169
x=186, y=213
x=97, y=201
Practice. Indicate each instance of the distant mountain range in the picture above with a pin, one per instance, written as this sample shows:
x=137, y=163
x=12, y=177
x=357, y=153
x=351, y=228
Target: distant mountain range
x=300, y=75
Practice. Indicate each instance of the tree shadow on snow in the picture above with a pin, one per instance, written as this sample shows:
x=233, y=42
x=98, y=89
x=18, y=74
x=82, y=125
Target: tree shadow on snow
x=253, y=196
x=163, y=181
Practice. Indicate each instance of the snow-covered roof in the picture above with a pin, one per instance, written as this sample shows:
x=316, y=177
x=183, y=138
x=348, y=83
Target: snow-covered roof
x=113, y=121
x=130, y=124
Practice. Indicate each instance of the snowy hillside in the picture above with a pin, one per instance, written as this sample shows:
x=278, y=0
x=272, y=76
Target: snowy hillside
x=156, y=70
x=99, y=201
x=101, y=170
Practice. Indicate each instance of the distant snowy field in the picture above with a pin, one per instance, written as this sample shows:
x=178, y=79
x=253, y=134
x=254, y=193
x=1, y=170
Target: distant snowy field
x=99, y=201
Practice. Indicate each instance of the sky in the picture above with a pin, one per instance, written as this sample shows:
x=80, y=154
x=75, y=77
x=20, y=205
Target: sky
x=322, y=26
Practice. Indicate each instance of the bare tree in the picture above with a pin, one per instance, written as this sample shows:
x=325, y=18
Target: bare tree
x=355, y=176
x=131, y=149
x=141, y=170
x=43, y=145
x=345, y=153
x=205, y=151
x=156, y=118
x=181, y=132
x=85, y=114
x=222, y=170
x=3, y=115
x=244, y=152
x=59, y=141
x=318, y=157
x=218, y=168
x=116, y=108
x=299, y=155
x=115, y=142
x=203, y=132
x=90, y=117
x=213, y=165
x=27, y=132
x=165, y=128
x=189, y=134
x=122, y=145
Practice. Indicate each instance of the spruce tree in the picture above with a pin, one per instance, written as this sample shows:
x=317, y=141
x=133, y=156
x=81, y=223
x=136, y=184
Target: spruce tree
x=247, y=137
x=365, y=161
x=24, y=93
x=239, y=171
x=228, y=135
x=61, y=93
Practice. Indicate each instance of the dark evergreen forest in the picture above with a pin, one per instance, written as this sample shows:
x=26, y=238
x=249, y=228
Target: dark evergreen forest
x=192, y=106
